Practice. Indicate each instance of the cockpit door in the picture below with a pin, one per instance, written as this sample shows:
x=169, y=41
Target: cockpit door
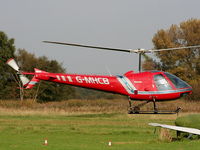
x=161, y=83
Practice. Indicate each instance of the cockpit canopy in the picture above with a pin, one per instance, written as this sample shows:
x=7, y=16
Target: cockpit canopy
x=162, y=83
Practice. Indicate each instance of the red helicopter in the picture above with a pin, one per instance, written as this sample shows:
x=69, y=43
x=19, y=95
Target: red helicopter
x=150, y=86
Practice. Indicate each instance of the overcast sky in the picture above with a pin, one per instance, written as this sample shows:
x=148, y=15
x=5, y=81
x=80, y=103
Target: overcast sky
x=111, y=23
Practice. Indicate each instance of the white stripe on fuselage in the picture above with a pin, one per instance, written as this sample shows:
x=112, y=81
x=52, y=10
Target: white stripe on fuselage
x=126, y=83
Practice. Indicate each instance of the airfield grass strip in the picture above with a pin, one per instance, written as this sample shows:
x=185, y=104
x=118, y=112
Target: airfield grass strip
x=88, y=131
x=87, y=124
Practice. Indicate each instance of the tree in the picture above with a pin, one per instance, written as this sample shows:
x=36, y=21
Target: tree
x=149, y=63
x=7, y=50
x=184, y=63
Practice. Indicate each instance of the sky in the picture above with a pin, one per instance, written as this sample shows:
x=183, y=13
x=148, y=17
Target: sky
x=128, y=24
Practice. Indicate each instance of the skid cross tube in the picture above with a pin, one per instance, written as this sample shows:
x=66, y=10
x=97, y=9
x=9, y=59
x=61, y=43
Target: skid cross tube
x=136, y=109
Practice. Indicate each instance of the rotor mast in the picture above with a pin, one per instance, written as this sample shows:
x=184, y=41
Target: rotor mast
x=140, y=63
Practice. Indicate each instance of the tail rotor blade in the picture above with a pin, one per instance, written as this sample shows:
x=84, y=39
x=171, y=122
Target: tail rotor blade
x=24, y=79
x=12, y=63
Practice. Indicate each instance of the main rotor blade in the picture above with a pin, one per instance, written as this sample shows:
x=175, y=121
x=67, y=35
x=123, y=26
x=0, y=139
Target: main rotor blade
x=124, y=50
x=89, y=46
x=176, y=48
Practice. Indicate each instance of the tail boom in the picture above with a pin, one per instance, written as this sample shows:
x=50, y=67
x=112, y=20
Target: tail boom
x=98, y=82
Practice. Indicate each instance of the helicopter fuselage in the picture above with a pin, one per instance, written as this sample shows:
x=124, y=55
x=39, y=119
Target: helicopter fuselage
x=151, y=85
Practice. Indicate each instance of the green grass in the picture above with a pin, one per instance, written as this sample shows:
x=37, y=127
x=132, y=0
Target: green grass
x=191, y=120
x=87, y=131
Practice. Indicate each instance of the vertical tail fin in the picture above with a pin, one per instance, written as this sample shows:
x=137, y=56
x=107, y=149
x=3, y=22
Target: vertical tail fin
x=32, y=83
x=34, y=80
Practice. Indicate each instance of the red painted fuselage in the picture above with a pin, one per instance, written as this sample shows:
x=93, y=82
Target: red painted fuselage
x=138, y=86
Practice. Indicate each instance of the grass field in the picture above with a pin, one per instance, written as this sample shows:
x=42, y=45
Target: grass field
x=26, y=129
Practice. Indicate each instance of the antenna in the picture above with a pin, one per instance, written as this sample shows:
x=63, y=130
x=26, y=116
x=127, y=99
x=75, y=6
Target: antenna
x=108, y=70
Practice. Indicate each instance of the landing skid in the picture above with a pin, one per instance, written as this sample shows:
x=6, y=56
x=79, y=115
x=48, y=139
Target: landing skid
x=136, y=109
x=157, y=112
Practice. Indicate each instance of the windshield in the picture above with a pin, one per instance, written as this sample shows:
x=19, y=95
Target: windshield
x=161, y=83
x=178, y=83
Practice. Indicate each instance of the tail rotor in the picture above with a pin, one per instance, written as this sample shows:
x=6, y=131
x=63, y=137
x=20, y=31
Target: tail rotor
x=12, y=63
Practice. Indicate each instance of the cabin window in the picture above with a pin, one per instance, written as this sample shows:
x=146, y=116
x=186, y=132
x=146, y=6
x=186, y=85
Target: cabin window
x=177, y=81
x=161, y=83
